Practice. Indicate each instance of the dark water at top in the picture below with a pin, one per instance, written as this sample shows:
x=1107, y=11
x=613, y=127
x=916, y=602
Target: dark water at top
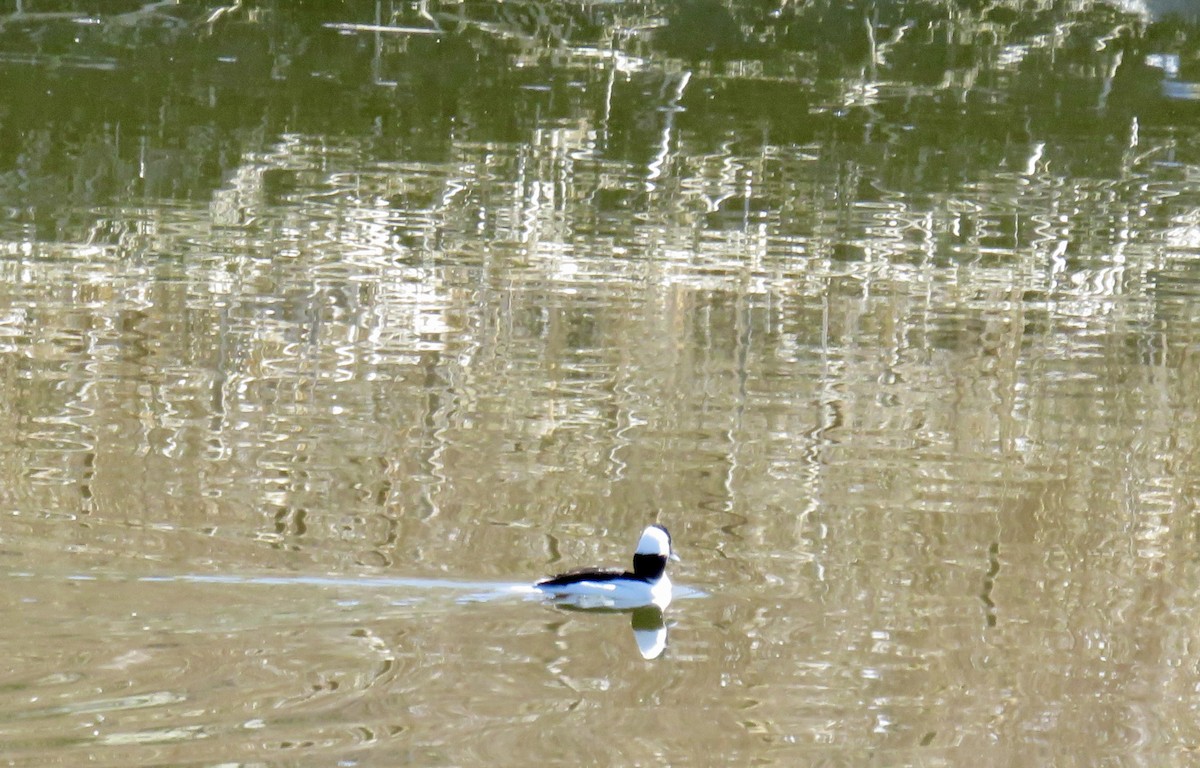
x=323, y=326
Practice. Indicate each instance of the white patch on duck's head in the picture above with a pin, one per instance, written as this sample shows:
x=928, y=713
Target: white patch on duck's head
x=656, y=540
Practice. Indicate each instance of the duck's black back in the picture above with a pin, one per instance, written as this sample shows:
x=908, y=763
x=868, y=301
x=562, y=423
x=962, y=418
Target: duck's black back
x=586, y=574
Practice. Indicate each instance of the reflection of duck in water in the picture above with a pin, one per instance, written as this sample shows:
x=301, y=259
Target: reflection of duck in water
x=649, y=630
x=646, y=585
x=647, y=622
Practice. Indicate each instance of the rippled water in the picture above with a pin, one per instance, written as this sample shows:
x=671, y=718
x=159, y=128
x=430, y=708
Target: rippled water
x=299, y=384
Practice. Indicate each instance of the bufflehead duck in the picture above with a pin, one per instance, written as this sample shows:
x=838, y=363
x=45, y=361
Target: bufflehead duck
x=646, y=584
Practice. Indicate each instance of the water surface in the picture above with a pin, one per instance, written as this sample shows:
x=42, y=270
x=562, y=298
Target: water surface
x=317, y=340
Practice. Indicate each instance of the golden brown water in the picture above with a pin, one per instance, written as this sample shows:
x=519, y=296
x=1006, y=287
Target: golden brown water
x=287, y=413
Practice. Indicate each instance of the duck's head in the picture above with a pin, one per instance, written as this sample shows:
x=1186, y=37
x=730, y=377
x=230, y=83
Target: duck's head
x=653, y=551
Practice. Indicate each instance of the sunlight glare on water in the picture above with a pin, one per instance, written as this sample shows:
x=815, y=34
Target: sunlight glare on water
x=312, y=368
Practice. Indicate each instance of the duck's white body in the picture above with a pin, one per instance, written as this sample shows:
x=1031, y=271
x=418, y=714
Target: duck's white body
x=646, y=584
x=613, y=594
